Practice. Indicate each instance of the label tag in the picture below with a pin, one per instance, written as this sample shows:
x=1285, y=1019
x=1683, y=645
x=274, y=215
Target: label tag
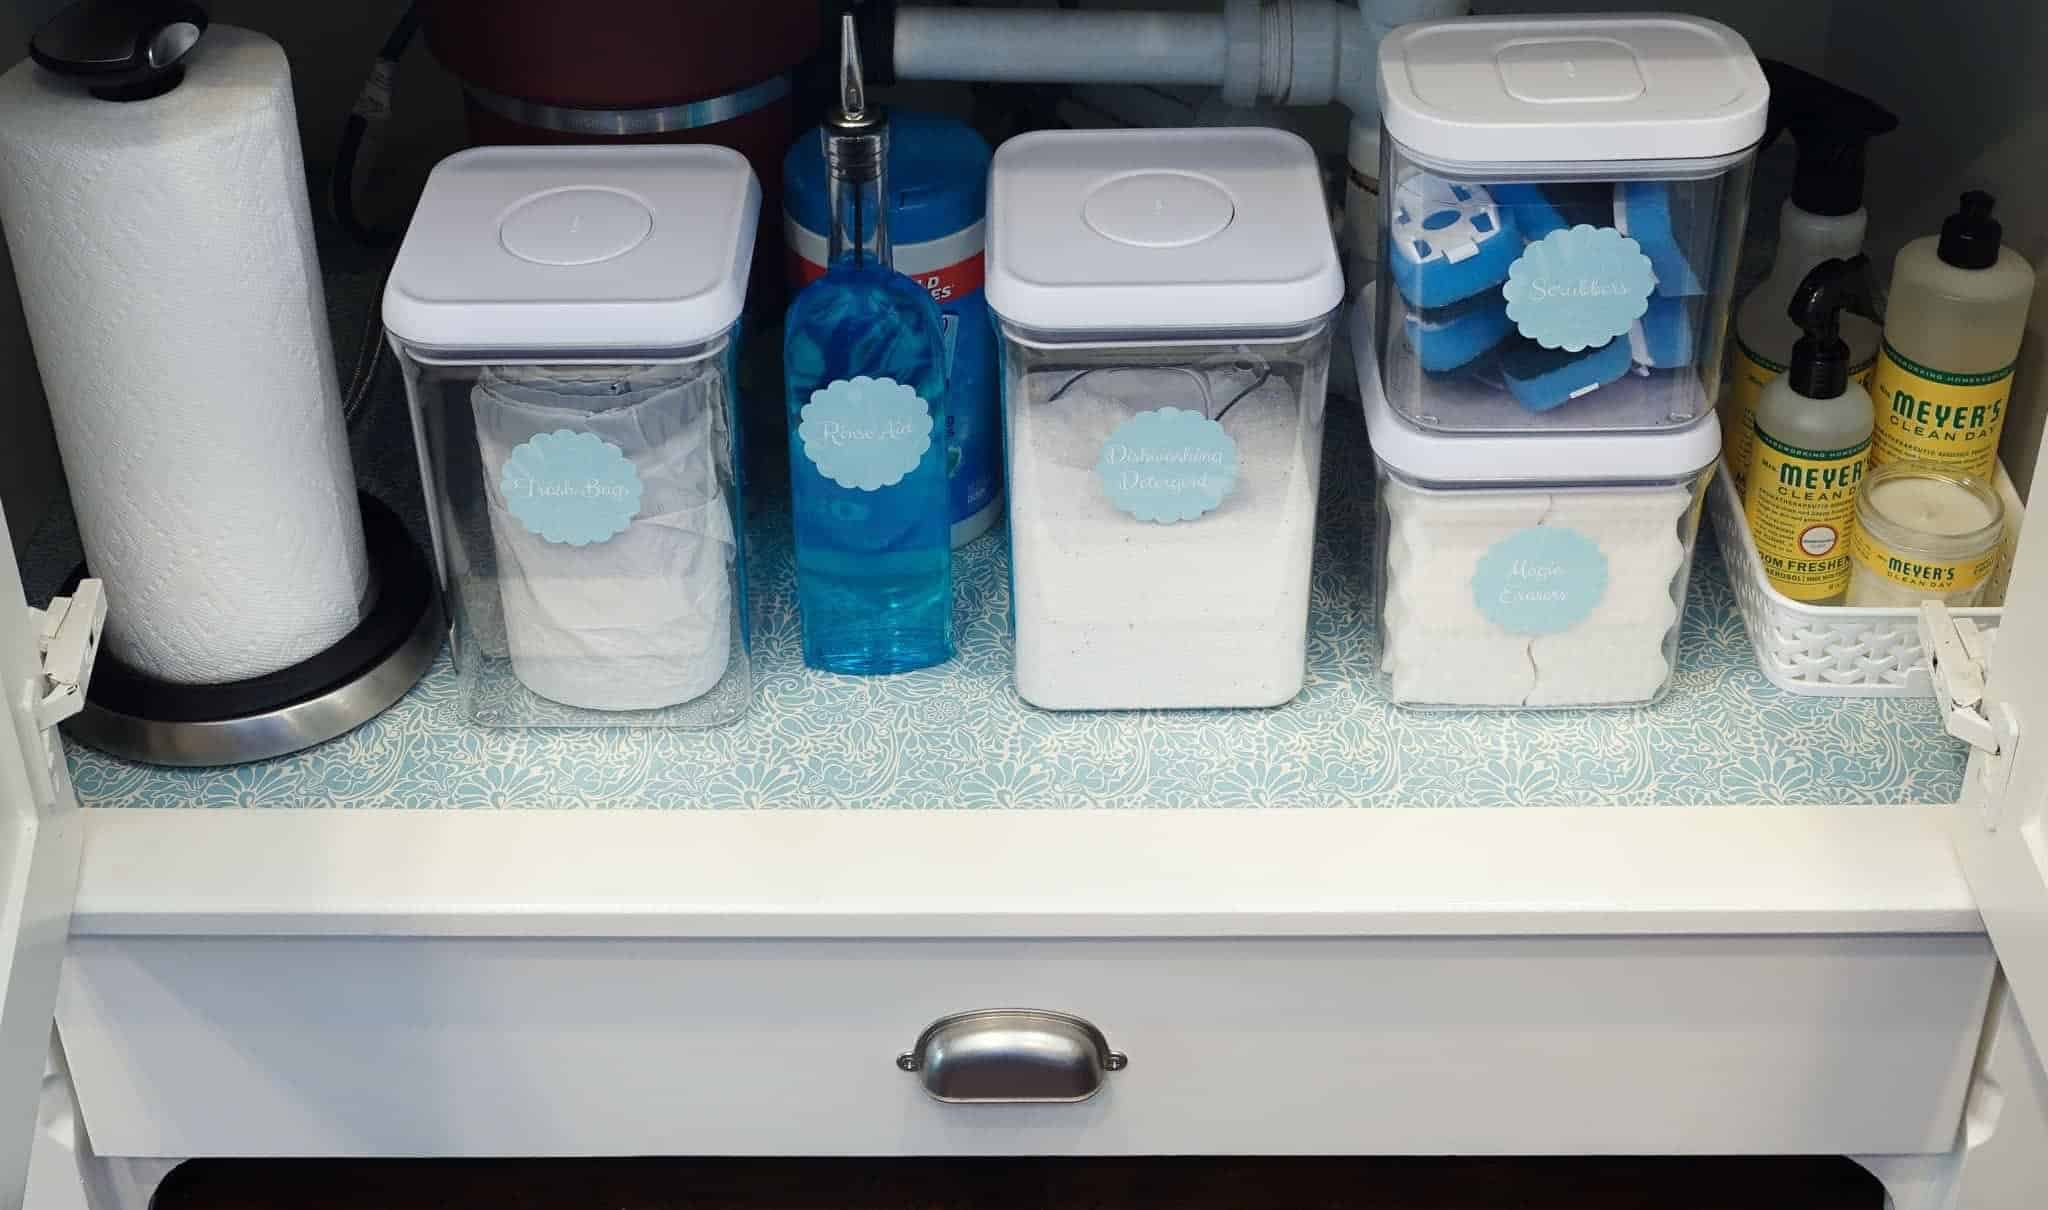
x=1939, y=579
x=1801, y=505
x=1541, y=580
x=570, y=487
x=1927, y=415
x=1579, y=288
x=1168, y=465
x=865, y=433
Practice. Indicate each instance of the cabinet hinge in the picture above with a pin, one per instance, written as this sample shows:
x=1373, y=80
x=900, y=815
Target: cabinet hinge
x=1958, y=659
x=68, y=642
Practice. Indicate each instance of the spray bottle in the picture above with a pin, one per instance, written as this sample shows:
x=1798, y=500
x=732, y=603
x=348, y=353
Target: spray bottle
x=1811, y=442
x=1824, y=218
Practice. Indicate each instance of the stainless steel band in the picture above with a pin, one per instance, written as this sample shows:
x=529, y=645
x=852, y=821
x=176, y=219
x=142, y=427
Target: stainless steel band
x=690, y=115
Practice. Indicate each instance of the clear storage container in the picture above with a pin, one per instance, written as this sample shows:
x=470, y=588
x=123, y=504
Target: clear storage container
x=1530, y=571
x=566, y=321
x=1562, y=206
x=1164, y=300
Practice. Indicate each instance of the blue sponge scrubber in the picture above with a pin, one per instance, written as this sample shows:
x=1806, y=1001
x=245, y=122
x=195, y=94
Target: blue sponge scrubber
x=1447, y=241
x=1541, y=379
x=1581, y=203
x=1454, y=336
x=1663, y=338
x=1530, y=209
x=1642, y=211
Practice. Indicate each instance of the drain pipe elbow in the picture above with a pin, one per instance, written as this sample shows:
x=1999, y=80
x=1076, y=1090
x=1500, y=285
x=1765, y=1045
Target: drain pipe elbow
x=1355, y=74
x=1312, y=52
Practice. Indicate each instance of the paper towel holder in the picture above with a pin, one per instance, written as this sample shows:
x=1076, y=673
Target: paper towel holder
x=121, y=50
x=136, y=717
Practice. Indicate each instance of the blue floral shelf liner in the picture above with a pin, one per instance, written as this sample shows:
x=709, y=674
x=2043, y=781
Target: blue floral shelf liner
x=957, y=736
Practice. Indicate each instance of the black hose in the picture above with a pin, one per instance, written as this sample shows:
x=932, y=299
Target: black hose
x=362, y=135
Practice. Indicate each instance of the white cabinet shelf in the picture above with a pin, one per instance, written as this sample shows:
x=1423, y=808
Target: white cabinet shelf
x=957, y=736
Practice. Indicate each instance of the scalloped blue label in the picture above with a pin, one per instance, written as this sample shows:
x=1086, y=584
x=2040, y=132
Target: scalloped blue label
x=1579, y=288
x=1541, y=580
x=570, y=487
x=1168, y=465
x=865, y=433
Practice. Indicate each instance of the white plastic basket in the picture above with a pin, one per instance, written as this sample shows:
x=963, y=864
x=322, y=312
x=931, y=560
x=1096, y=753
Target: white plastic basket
x=1829, y=650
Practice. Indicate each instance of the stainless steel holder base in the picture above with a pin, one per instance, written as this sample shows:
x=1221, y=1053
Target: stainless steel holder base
x=131, y=716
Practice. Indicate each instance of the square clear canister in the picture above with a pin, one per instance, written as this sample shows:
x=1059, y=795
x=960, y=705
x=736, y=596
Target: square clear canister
x=566, y=321
x=1562, y=209
x=1164, y=300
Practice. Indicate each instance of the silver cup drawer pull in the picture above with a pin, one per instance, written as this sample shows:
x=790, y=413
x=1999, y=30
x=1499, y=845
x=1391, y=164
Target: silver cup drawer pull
x=1011, y=1056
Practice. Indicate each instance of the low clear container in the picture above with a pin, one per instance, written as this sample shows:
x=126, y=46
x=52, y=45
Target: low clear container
x=1561, y=213
x=1164, y=302
x=1520, y=572
x=568, y=345
x=1924, y=533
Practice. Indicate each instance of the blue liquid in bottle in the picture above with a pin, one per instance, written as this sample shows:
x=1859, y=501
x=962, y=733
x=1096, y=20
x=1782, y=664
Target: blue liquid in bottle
x=874, y=567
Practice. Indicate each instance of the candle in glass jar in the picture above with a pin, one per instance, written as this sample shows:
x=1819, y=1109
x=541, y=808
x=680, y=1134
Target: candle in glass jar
x=1923, y=533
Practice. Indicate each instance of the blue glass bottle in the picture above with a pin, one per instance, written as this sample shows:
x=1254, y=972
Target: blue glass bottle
x=864, y=360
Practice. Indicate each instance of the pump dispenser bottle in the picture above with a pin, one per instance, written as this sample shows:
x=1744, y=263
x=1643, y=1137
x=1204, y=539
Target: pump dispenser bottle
x=1811, y=442
x=1823, y=219
x=1958, y=310
x=864, y=362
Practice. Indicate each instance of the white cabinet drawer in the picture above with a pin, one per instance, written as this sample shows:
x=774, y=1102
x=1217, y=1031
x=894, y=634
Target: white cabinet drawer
x=480, y=1046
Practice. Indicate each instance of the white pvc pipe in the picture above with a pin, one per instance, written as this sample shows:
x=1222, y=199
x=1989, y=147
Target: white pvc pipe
x=1299, y=52
x=1060, y=46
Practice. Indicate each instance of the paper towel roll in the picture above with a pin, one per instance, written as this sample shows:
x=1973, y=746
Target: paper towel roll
x=164, y=250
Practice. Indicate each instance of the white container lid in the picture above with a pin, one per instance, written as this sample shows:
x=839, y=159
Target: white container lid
x=1529, y=458
x=1519, y=90
x=1210, y=230
x=576, y=250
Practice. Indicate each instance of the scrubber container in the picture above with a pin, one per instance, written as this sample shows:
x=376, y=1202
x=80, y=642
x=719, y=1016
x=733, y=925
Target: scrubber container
x=1562, y=209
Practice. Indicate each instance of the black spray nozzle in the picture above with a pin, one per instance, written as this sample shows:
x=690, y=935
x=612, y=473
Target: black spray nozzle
x=1970, y=237
x=1833, y=128
x=1820, y=359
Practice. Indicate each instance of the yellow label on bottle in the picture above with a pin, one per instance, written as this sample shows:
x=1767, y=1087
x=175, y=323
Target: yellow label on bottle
x=1932, y=416
x=1801, y=505
x=1934, y=577
x=1749, y=372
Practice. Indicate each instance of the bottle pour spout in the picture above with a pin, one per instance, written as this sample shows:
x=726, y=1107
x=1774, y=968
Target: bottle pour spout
x=854, y=143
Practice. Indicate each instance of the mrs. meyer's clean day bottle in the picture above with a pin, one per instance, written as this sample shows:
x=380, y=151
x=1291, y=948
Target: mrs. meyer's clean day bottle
x=1811, y=442
x=1957, y=313
x=864, y=360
